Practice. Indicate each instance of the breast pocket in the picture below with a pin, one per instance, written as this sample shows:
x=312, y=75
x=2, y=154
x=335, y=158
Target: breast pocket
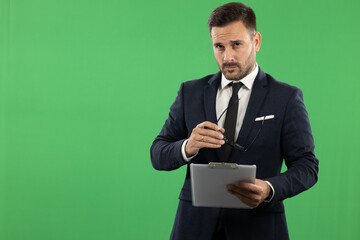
x=264, y=133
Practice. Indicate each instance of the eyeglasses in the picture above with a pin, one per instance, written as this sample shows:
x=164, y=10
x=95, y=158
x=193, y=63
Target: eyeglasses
x=231, y=142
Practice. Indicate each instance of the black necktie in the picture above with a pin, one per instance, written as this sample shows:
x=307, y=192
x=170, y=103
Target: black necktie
x=230, y=120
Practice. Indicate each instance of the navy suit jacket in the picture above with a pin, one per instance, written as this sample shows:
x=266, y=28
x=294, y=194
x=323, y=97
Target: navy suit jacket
x=287, y=137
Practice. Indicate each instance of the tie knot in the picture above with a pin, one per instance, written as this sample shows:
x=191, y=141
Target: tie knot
x=236, y=87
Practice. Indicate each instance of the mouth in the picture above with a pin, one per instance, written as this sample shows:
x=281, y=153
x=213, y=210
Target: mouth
x=230, y=68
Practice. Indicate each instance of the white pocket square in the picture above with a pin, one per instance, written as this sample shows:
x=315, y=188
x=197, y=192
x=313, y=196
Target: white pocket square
x=264, y=118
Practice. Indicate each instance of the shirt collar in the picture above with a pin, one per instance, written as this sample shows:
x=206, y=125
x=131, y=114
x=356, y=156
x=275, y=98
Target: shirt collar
x=248, y=80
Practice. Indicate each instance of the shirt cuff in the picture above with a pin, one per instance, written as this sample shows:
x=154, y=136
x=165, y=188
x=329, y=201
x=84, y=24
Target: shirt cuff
x=186, y=159
x=272, y=193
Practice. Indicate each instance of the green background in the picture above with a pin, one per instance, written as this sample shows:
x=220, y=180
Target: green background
x=85, y=87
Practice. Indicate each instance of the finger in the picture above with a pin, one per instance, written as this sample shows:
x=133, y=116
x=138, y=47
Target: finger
x=244, y=199
x=238, y=190
x=248, y=187
x=252, y=200
x=208, y=145
x=247, y=193
x=210, y=133
x=222, y=130
x=203, y=144
x=209, y=125
x=204, y=141
x=207, y=139
x=196, y=142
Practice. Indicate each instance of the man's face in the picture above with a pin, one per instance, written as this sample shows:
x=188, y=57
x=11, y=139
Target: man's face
x=235, y=49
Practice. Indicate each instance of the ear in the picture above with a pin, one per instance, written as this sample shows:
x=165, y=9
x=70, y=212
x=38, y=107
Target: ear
x=257, y=41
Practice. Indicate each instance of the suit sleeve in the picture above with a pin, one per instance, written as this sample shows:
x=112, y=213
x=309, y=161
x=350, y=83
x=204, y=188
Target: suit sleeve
x=165, y=151
x=297, y=146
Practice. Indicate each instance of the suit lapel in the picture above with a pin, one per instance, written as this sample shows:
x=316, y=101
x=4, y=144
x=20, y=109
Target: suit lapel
x=256, y=100
x=210, y=92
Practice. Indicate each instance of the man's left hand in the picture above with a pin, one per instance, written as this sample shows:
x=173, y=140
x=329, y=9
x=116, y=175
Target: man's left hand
x=252, y=194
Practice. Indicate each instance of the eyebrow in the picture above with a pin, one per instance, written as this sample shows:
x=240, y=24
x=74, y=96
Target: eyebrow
x=237, y=41
x=231, y=41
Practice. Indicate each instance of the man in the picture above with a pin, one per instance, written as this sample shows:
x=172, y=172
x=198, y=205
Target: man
x=241, y=115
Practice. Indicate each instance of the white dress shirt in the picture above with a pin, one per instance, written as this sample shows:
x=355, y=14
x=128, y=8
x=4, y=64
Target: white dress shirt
x=222, y=100
x=224, y=94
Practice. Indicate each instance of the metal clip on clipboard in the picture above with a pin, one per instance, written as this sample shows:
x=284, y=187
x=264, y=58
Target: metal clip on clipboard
x=222, y=165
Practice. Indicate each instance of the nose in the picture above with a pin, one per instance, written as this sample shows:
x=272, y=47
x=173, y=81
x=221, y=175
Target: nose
x=229, y=55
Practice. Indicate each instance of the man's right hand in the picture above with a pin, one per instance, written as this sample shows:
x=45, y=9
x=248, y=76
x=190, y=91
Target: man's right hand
x=204, y=135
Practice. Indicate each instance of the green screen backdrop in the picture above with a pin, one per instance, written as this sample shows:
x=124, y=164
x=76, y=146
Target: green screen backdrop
x=85, y=87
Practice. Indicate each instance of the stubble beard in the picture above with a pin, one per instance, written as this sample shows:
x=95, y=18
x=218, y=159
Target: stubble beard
x=243, y=71
x=240, y=75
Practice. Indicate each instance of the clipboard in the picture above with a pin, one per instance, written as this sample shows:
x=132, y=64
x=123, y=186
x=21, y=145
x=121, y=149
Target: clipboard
x=208, y=183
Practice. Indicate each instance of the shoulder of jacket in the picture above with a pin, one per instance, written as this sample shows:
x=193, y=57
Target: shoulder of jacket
x=201, y=81
x=280, y=86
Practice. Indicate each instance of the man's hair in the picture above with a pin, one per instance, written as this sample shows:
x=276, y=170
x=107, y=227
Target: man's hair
x=232, y=12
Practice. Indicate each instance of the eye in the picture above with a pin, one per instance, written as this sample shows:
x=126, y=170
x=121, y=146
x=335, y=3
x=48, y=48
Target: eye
x=236, y=44
x=219, y=46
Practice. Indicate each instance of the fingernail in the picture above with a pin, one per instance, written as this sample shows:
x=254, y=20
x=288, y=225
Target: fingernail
x=222, y=142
